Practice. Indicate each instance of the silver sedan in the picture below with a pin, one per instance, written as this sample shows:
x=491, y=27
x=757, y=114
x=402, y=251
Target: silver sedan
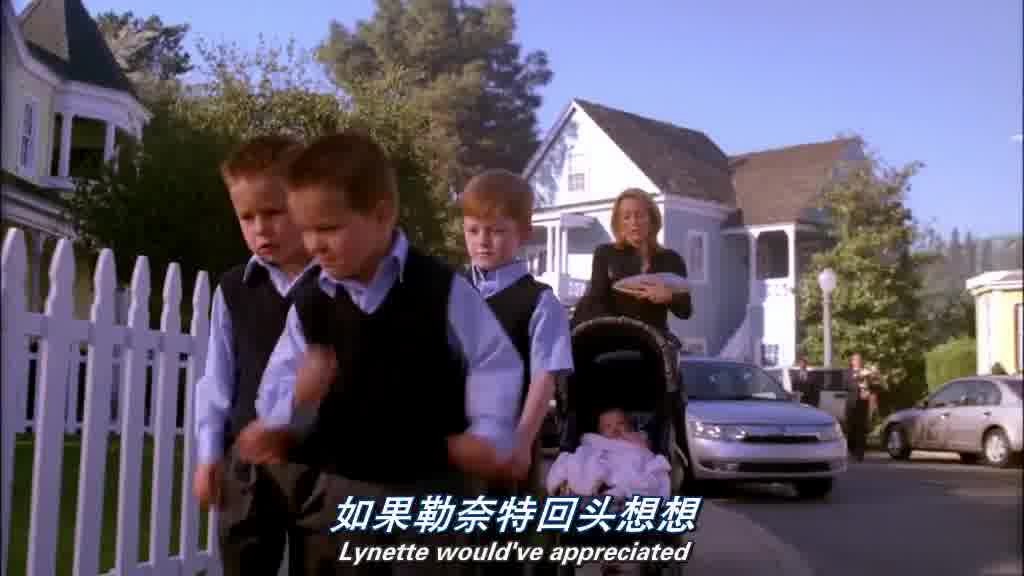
x=977, y=417
x=743, y=426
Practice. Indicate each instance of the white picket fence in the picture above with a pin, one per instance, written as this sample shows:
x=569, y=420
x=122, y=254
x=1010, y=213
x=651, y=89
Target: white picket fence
x=112, y=349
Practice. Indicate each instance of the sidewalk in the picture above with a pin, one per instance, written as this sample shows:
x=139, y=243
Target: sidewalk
x=728, y=543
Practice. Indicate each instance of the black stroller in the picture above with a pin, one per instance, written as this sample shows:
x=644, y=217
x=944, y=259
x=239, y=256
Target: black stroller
x=627, y=364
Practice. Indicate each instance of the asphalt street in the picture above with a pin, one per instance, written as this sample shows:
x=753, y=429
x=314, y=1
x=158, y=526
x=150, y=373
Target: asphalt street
x=932, y=515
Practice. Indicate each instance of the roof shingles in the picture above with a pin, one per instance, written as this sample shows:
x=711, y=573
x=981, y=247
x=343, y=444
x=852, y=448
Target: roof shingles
x=768, y=187
x=64, y=37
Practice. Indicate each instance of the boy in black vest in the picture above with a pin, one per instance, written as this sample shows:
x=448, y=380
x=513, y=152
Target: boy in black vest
x=249, y=308
x=497, y=207
x=416, y=384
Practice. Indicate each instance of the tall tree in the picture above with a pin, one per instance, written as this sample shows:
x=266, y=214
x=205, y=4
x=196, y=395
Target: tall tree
x=970, y=257
x=985, y=261
x=469, y=73
x=956, y=261
x=876, y=307
x=165, y=199
x=150, y=52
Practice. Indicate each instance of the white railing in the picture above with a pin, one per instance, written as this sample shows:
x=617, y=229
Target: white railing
x=118, y=357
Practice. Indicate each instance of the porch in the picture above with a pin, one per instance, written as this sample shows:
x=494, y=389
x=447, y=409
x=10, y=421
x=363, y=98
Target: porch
x=82, y=144
x=770, y=332
x=560, y=250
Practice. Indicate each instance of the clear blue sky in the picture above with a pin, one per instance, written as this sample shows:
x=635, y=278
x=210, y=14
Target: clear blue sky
x=938, y=81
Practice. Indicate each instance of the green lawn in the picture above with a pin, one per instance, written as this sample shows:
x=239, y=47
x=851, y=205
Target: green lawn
x=21, y=503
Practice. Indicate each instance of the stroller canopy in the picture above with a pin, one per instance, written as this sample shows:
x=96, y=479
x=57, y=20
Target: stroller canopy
x=620, y=363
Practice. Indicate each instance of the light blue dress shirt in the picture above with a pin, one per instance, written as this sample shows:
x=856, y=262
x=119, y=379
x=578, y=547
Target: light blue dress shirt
x=494, y=376
x=215, y=389
x=550, y=339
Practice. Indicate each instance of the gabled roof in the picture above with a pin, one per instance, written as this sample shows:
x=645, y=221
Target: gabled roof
x=768, y=187
x=780, y=185
x=996, y=280
x=678, y=160
x=63, y=36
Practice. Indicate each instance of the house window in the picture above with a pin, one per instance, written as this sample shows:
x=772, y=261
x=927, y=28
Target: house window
x=694, y=346
x=577, y=173
x=696, y=256
x=27, y=156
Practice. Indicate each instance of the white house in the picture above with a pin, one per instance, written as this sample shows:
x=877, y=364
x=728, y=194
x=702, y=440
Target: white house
x=67, y=105
x=720, y=213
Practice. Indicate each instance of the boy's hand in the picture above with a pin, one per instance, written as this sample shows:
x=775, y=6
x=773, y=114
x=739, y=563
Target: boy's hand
x=476, y=456
x=261, y=445
x=518, y=467
x=315, y=375
x=206, y=483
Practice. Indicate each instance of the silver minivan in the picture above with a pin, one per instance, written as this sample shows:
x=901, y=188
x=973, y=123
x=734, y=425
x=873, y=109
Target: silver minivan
x=977, y=417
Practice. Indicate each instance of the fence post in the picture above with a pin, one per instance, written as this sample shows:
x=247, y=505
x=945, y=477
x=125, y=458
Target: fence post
x=196, y=366
x=49, y=423
x=165, y=394
x=133, y=402
x=95, y=418
x=15, y=371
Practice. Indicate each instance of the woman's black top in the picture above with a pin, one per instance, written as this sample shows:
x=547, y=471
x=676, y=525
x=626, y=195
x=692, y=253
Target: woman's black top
x=613, y=263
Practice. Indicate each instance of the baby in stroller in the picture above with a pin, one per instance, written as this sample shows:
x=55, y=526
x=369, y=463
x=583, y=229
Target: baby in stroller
x=617, y=462
x=620, y=422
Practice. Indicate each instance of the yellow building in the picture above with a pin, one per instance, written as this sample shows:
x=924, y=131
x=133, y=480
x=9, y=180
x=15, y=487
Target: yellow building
x=999, y=301
x=67, y=106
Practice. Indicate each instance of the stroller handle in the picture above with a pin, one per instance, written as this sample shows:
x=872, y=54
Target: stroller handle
x=666, y=343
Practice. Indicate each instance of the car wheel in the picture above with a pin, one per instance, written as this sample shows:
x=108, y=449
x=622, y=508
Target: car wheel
x=896, y=442
x=969, y=457
x=813, y=488
x=996, y=448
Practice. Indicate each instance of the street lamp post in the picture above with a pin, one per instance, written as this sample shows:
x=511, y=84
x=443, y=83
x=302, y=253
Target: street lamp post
x=827, y=283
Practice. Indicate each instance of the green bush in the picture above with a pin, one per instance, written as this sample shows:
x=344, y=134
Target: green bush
x=954, y=359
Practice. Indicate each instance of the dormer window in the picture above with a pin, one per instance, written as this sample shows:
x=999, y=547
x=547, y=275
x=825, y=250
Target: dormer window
x=577, y=172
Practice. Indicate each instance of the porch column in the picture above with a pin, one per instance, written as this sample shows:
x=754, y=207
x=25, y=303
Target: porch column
x=108, y=141
x=549, y=253
x=67, y=119
x=753, y=266
x=563, y=252
x=556, y=253
x=755, y=310
x=794, y=278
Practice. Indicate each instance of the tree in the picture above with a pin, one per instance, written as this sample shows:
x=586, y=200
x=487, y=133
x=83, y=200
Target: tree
x=986, y=260
x=150, y=52
x=970, y=257
x=957, y=267
x=468, y=70
x=165, y=199
x=877, y=305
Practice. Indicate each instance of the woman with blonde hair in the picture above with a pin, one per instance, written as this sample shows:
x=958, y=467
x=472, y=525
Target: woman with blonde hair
x=636, y=222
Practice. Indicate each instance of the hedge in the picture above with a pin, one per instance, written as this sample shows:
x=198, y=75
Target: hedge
x=954, y=359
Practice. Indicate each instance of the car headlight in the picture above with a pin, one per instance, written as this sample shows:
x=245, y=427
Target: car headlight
x=721, y=432
x=830, y=433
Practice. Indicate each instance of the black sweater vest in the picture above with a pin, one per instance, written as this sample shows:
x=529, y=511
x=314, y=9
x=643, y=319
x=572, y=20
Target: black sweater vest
x=258, y=314
x=400, y=388
x=514, y=307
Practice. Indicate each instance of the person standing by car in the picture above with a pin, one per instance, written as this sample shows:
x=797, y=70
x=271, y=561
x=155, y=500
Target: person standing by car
x=858, y=406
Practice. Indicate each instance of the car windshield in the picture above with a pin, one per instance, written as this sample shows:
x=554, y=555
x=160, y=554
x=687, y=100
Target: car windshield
x=1015, y=386
x=729, y=381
